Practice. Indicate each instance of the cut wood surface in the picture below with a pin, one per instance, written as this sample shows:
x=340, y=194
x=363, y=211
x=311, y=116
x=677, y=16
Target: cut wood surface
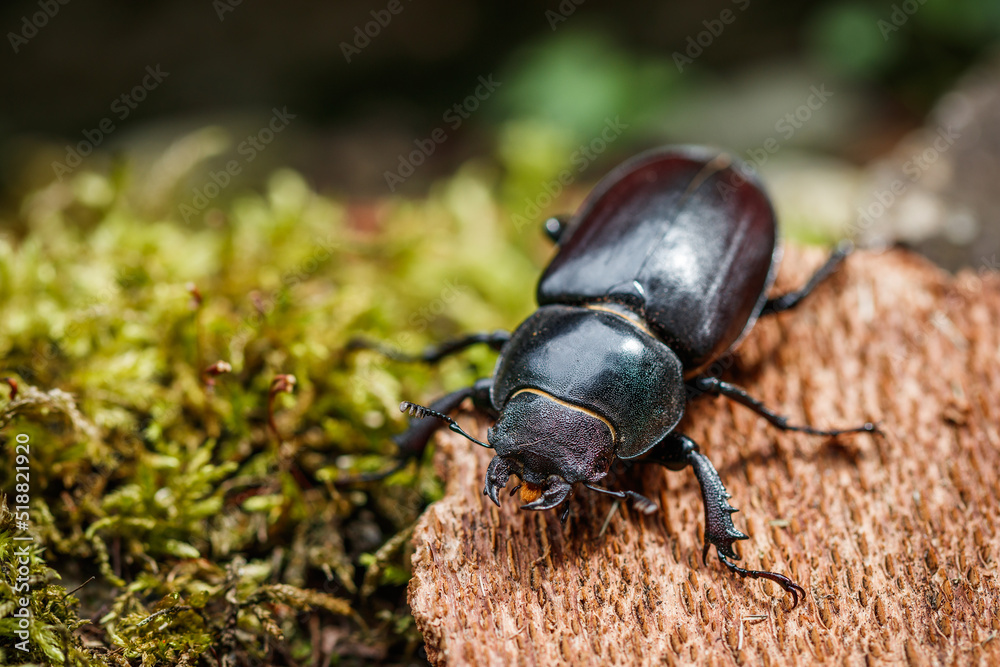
x=894, y=538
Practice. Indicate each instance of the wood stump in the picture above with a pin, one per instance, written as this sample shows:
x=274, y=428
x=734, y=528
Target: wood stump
x=894, y=538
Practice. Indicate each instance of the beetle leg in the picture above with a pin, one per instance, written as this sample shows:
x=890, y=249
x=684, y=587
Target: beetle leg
x=792, y=299
x=716, y=387
x=676, y=452
x=412, y=442
x=495, y=339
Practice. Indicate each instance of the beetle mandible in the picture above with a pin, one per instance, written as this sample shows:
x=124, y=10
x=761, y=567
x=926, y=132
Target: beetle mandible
x=665, y=267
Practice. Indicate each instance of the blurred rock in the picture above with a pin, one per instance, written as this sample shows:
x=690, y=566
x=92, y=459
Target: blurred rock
x=937, y=191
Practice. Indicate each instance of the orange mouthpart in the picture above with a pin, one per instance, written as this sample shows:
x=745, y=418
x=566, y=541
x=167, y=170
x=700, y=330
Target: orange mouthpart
x=530, y=493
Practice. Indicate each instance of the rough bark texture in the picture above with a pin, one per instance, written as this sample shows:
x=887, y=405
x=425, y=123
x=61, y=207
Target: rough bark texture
x=894, y=539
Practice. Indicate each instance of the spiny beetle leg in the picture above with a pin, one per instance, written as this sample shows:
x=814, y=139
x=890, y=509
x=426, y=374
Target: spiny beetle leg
x=495, y=339
x=716, y=387
x=719, y=528
x=678, y=451
x=792, y=299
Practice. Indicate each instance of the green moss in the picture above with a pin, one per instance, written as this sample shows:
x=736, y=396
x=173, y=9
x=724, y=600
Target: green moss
x=193, y=531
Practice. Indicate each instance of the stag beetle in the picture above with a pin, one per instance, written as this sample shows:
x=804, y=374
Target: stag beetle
x=665, y=267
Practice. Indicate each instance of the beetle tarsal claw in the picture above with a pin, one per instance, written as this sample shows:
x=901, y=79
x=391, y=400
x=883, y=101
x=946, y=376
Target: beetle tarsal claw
x=786, y=584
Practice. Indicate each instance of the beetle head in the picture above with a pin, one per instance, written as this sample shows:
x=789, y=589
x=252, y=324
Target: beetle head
x=550, y=445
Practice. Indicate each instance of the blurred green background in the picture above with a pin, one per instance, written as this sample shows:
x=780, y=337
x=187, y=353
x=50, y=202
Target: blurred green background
x=722, y=72
x=189, y=183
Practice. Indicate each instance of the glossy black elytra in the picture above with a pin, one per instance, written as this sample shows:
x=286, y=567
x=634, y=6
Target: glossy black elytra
x=665, y=268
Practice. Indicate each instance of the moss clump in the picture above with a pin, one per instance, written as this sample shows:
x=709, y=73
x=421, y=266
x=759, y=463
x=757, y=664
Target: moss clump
x=191, y=506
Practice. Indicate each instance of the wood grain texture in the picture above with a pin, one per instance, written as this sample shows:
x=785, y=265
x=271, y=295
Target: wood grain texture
x=894, y=538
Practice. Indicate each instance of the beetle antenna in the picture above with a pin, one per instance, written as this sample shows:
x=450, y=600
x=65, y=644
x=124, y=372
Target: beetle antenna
x=420, y=411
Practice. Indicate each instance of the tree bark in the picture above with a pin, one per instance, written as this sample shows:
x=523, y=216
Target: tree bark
x=894, y=538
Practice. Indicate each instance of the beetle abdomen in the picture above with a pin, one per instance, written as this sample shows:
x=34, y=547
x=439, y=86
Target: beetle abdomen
x=601, y=362
x=684, y=237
